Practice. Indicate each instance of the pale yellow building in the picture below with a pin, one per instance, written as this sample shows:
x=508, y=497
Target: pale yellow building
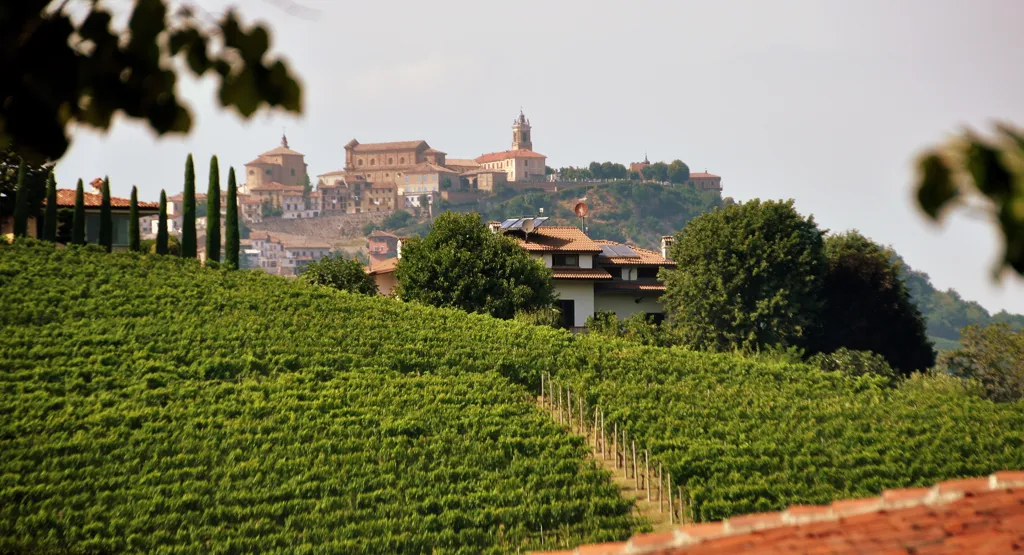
x=281, y=165
x=520, y=163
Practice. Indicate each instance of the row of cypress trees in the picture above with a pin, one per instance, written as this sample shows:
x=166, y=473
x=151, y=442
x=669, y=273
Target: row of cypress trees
x=106, y=231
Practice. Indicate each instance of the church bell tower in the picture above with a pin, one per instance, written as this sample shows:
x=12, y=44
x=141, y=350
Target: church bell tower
x=521, y=133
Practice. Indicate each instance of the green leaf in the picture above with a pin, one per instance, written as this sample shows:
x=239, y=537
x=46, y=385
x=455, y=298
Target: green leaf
x=986, y=167
x=936, y=188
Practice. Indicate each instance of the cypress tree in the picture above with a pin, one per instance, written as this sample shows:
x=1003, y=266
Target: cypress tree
x=106, y=219
x=188, y=212
x=161, y=229
x=213, y=213
x=50, y=219
x=21, y=204
x=78, y=223
x=133, y=221
x=231, y=240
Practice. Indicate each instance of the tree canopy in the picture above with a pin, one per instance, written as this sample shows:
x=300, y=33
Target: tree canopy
x=750, y=277
x=339, y=273
x=62, y=69
x=461, y=264
x=868, y=307
x=992, y=355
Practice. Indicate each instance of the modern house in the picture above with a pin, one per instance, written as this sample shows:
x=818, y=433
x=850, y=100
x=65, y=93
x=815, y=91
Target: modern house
x=119, y=211
x=590, y=276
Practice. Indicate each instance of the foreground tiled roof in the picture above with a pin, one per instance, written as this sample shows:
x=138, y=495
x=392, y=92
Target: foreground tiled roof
x=506, y=154
x=647, y=256
x=559, y=239
x=378, y=147
x=580, y=273
x=971, y=516
x=66, y=198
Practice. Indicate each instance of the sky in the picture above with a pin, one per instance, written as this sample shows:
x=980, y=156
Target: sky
x=824, y=102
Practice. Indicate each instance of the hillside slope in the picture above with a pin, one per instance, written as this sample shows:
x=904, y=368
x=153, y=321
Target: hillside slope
x=246, y=410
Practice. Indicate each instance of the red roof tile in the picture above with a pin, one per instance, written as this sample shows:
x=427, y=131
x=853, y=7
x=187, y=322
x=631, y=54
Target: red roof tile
x=275, y=186
x=559, y=239
x=66, y=198
x=506, y=154
x=703, y=175
x=632, y=286
x=379, y=147
x=980, y=515
x=386, y=267
x=580, y=273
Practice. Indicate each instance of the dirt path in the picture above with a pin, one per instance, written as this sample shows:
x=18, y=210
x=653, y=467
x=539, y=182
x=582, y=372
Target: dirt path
x=656, y=513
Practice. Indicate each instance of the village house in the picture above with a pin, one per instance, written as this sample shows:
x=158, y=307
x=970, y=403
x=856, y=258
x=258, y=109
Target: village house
x=589, y=276
x=119, y=212
x=461, y=165
x=485, y=179
x=285, y=255
x=382, y=246
x=705, y=181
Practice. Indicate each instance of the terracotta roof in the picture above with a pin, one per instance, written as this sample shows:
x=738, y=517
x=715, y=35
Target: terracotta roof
x=66, y=198
x=260, y=162
x=427, y=167
x=386, y=267
x=980, y=515
x=461, y=162
x=482, y=171
x=700, y=175
x=506, y=154
x=281, y=150
x=378, y=147
x=580, y=273
x=433, y=151
x=632, y=286
x=379, y=233
x=298, y=241
x=275, y=186
x=647, y=257
x=559, y=239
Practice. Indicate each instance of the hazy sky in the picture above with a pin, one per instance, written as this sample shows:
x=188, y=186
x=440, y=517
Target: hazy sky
x=823, y=101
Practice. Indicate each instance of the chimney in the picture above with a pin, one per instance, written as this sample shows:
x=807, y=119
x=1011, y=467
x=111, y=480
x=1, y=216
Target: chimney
x=666, y=244
x=398, y=249
x=97, y=185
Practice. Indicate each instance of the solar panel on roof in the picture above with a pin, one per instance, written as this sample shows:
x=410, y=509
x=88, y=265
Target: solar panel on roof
x=625, y=251
x=606, y=251
x=508, y=223
x=537, y=222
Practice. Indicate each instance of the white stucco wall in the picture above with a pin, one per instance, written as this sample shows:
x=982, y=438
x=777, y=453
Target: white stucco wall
x=582, y=293
x=624, y=305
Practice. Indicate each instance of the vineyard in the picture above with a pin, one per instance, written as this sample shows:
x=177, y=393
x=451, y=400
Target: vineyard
x=147, y=404
x=743, y=435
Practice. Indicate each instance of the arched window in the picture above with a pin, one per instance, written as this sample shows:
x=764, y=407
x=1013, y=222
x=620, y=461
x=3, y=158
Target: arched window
x=373, y=162
x=293, y=171
x=401, y=160
x=391, y=161
x=252, y=172
x=268, y=172
x=359, y=163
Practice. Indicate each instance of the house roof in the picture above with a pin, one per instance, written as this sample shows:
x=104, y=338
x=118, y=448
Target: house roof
x=466, y=162
x=559, y=239
x=386, y=267
x=700, y=175
x=482, y=171
x=506, y=154
x=298, y=241
x=646, y=257
x=379, y=233
x=380, y=147
x=427, y=167
x=275, y=186
x=66, y=198
x=580, y=273
x=434, y=151
x=979, y=515
x=632, y=286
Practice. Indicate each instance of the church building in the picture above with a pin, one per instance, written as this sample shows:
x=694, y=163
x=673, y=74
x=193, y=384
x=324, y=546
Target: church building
x=521, y=163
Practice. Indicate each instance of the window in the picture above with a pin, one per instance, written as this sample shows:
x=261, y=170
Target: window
x=252, y=172
x=647, y=273
x=570, y=260
x=391, y=161
x=268, y=172
x=401, y=160
x=359, y=162
x=373, y=162
x=293, y=171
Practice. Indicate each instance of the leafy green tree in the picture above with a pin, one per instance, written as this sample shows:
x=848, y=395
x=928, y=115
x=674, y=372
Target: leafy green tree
x=548, y=316
x=70, y=65
x=50, y=219
x=969, y=167
x=21, y=204
x=188, y=211
x=339, y=273
x=213, y=213
x=78, y=220
x=657, y=171
x=749, y=276
x=231, y=240
x=854, y=363
x=106, y=218
x=161, y=226
x=461, y=264
x=868, y=307
x=133, y=221
x=397, y=219
x=678, y=172
x=992, y=355
x=307, y=189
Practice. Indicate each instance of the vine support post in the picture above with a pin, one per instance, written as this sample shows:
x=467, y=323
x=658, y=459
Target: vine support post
x=682, y=510
x=597, y=439
x=583, y=422
x=615, y=443
x=542, y=374
x=661, y=490
x=636, y=477
x=625, y=453
x=647, y=474
x=602, y=436
x=671, y=509
x=568, y=402
x=558, y=406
